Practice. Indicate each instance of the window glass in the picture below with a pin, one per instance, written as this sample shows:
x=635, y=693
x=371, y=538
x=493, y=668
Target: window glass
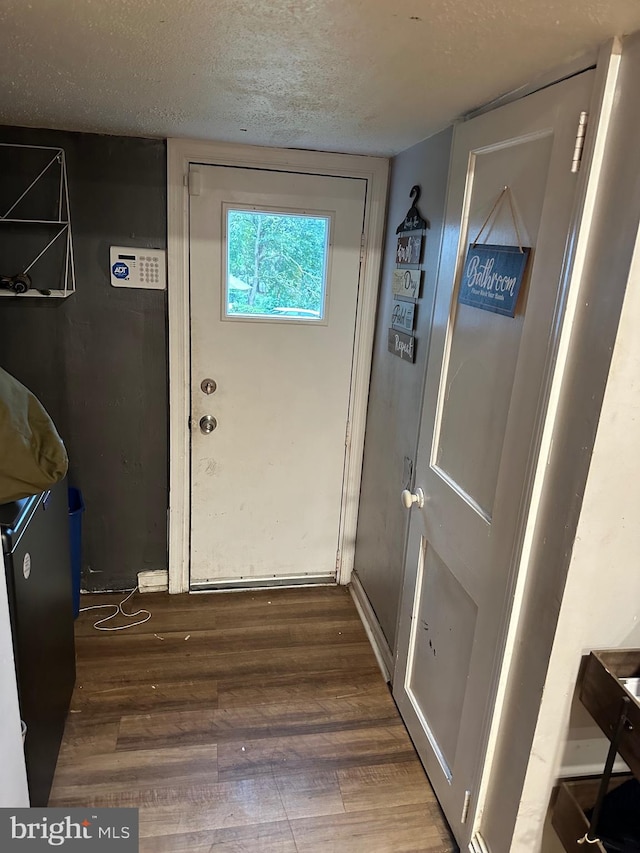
x=276, y=265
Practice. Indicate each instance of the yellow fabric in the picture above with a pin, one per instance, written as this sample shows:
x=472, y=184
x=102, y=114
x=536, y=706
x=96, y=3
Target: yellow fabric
x=32, y=455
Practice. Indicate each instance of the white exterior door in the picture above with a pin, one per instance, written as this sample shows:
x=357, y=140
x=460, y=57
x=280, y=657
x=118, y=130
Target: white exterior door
x=484, y=398
x=274, y=268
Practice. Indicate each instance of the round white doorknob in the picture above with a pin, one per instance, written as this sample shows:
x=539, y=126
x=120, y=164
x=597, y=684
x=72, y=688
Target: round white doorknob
x=409, y=499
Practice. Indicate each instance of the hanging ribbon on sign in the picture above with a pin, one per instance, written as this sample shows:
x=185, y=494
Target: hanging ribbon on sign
x=493, y=274
x=506, y=192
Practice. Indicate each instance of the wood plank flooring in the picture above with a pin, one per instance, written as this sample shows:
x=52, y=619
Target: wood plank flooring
x=253, y=722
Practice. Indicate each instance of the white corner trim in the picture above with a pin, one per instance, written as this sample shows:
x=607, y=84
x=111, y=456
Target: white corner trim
x=372, y=627
x=180, y=153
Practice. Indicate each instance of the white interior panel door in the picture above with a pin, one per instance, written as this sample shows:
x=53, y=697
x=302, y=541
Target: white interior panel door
x=484, y=396
x=275, y=263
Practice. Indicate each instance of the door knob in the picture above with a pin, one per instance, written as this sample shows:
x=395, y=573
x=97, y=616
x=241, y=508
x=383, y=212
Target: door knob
x=207, y=424
x=409, y=499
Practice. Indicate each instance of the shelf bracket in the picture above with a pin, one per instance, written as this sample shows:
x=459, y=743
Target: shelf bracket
x=55, y=157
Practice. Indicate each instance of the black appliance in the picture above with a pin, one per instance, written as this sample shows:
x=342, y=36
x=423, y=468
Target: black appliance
x=35, y=547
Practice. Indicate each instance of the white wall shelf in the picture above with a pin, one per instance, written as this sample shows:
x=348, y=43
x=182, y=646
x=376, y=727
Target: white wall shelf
x=51, y=230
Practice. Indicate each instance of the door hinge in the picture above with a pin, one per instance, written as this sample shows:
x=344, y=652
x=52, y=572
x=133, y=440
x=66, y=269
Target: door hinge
x=194, y=181
x=347, y=435
x=338, y=560
x=580, y=135
x=465, y=806
x=362, y=242
x=189, y=422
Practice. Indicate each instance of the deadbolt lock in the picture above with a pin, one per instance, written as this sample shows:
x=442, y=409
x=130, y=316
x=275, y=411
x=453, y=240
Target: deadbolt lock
x=208, y=386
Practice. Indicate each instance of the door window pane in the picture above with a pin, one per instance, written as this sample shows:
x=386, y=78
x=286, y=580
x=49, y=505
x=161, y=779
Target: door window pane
x=276, y=265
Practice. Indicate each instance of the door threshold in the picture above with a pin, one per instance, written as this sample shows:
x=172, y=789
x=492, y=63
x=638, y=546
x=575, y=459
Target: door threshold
x=262, y=583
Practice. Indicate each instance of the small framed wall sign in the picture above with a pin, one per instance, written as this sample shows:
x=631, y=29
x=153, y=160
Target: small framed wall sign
x=492, y=277
x=402, y=315
x=409, y=249
x=402, y=345
x=406, y=283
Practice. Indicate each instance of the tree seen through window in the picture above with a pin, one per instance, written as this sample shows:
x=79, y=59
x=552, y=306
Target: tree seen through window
x=276, y=264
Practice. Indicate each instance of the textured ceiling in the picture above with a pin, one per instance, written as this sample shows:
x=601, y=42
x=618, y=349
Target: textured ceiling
x=370, y=76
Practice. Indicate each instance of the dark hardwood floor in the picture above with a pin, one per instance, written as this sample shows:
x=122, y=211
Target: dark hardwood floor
x=253, y=721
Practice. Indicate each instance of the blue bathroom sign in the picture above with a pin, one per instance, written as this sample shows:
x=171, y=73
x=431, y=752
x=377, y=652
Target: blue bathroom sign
x=120, y=270
x=492, y=277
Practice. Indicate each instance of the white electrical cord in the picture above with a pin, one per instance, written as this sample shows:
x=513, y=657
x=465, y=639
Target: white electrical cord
x=99, y=625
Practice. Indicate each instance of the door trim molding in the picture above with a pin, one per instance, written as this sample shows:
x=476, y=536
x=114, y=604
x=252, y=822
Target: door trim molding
x=577, y=65
x=180, y=154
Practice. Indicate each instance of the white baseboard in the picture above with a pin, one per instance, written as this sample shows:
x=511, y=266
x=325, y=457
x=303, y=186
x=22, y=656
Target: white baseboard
x=372, y=627
x=155, y=580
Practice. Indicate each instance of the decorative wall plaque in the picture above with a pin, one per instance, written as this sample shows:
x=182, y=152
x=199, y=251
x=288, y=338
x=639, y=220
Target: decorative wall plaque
x=402, y=345
x=414, y=220
x=409, y=249
x=402, y=315
x=406, y=283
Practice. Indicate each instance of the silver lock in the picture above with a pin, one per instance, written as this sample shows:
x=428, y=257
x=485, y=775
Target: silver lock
x=207, y=424
x=208, y=386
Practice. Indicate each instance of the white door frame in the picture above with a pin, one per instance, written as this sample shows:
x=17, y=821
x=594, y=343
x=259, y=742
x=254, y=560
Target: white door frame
x=180, y=154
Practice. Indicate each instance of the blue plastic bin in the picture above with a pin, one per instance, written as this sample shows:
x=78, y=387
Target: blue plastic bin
x=76, y=508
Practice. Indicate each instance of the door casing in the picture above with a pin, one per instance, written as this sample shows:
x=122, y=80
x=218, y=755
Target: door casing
x=181, y=153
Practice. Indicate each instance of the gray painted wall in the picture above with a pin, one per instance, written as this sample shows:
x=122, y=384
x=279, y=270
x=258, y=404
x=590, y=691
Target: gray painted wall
x=395, y=395
x=98, y=360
